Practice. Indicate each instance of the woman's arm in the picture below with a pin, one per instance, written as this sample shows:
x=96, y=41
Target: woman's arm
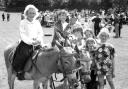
x=113, y=62
x=113, y=67
x=57, y=34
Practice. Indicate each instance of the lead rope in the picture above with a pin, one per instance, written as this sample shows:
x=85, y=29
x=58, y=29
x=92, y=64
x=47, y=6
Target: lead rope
x=52, y=82
x=63, y=72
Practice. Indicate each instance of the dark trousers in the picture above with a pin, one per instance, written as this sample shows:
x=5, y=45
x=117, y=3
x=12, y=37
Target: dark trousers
x=96, y=30
x=120, y=27
x=3, y=18
x=8, y=18
x=22, y=54
x=93, y=84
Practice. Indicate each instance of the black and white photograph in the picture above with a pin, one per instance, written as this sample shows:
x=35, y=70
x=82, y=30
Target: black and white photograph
x=63, y=44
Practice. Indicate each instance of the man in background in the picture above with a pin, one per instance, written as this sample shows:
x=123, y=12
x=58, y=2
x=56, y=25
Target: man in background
x=8, y=17
x=96, y=21
x=3, y=17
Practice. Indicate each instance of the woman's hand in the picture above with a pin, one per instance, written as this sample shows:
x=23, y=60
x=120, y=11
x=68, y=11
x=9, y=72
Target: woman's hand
x=36, y=42
x=45, y=47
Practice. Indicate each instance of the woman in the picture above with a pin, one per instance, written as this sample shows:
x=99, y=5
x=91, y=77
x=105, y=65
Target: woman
x=31, y=34
x=61, y=29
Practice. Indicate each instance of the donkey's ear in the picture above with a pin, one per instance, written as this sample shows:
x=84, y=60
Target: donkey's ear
x=59, y=45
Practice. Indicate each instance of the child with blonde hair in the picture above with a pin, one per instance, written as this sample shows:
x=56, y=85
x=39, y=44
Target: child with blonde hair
x=108, y=50
x=31, y=34
x=91, y=46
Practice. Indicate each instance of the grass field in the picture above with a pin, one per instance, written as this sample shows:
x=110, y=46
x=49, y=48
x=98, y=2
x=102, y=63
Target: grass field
x=9, y=34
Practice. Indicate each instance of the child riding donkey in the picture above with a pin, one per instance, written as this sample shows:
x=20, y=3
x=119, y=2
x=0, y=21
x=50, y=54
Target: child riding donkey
x=31, y=34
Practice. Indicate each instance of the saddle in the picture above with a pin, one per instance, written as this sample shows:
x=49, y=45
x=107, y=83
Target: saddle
x=37, y=51
x=35, y=55
x=33, y=58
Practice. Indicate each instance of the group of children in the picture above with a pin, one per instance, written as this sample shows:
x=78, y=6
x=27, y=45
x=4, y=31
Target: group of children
x=96, y=47
x=86, y=40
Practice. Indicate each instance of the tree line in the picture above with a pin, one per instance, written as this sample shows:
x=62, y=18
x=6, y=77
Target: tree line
x=69, y=4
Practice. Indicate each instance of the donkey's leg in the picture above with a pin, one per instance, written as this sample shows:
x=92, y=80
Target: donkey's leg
x=43, y=81
x=66, y=84
x=11, y=78
x=45, y=84
x=51, y=83
x=36, y=84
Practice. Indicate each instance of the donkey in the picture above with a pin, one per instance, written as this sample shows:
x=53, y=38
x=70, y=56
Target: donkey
x=45, y=65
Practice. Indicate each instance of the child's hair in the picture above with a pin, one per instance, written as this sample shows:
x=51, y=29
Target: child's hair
x=88, y=40
x=61, y=12
x=103, y=32
x=28, y=7
x=89, y=30
x=79, y=29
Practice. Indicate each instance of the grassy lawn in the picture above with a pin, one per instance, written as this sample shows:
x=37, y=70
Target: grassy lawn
x=9, y=34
